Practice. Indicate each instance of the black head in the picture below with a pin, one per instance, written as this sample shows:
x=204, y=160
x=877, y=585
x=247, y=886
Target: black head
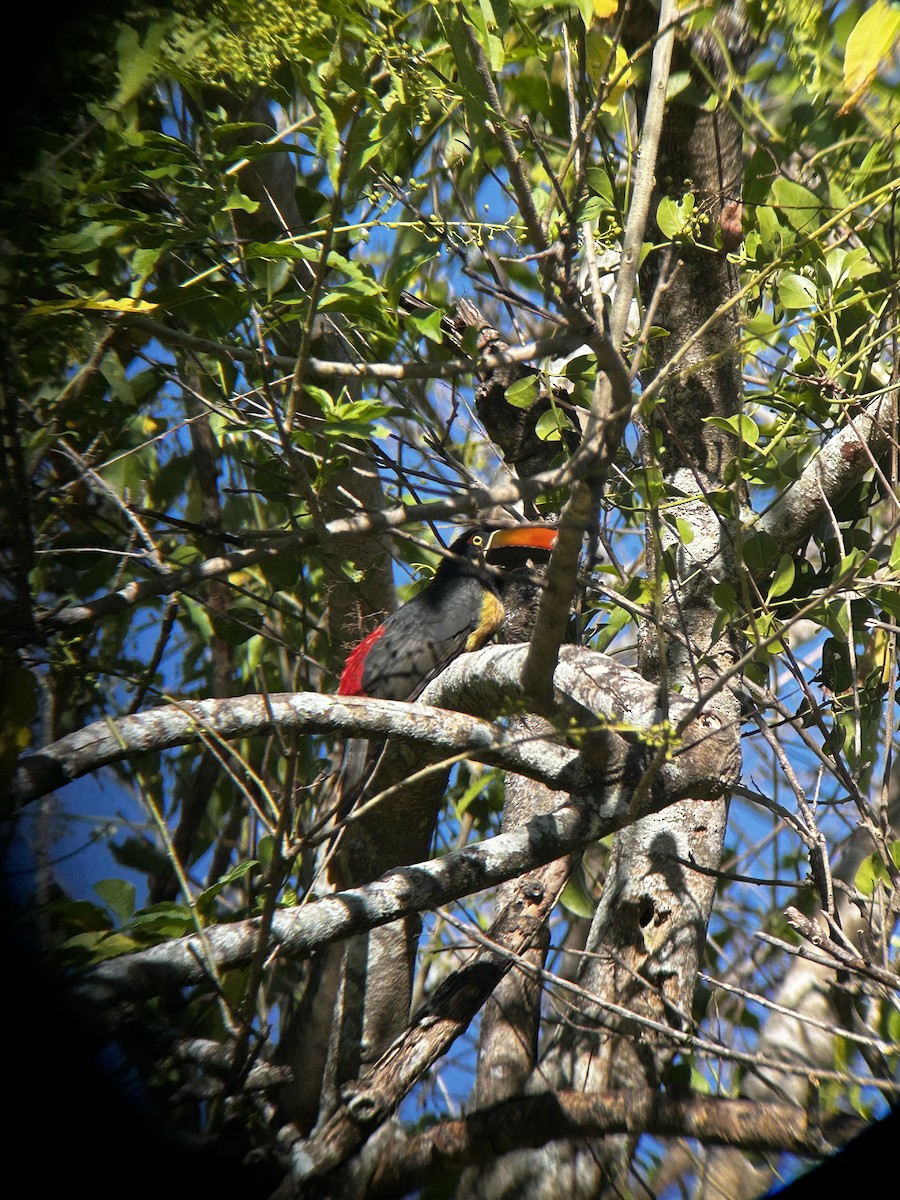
x=500, y=546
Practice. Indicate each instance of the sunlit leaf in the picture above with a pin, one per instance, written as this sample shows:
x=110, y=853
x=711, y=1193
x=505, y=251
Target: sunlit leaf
x=872, y=43
x=126, y=304
x=783, y=579
x=796, y=292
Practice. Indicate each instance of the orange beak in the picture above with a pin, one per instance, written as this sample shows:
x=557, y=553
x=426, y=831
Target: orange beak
x=535, y=537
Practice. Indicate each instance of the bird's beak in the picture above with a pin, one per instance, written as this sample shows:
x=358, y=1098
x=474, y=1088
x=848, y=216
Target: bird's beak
x=532, y=537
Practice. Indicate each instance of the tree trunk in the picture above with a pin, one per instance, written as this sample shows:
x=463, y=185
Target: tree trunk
x=649, y=930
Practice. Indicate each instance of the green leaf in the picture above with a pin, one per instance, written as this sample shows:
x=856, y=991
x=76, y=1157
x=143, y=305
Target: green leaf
x=872, y=871
x=478, y=784
x=724, y=502
x=328, y=143
x=762, y=328
x=427, y=324
x=590, y=209
x=238, y=201
x=798, y=205
x=237, y=872
x=727, y=609
x=770, y=232
x=783, y=579
x=616, y=621
x=111, y=945
x=367, y=411
x=523, y=392
x=163, y=920
x=576, y=899
x=137, y=63
x=282, y=572
x=185, y=555
x=363, y=144
x=469, y=81
x=743, y=427
x=837, y=668
x=118, y=895
x=797, y=292
x=760, y=550
x=551, y=425
x=675, y=218
x=685, y=531
x=599, y=184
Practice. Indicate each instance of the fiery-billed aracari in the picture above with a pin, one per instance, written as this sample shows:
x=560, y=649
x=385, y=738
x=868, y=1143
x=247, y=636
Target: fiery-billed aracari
x=459, y=610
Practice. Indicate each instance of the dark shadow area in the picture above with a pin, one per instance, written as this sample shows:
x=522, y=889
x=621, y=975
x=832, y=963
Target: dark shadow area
x=860, y=1164
x=69, y=1123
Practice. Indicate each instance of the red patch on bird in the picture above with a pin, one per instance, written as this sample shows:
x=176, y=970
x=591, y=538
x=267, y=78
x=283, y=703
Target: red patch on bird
x=351, y=676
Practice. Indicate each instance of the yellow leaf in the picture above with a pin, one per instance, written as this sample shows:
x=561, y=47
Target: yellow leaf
x=598, y=53
x=605, y=8
x=126, y=305
x=98, y=304
x=872, y=42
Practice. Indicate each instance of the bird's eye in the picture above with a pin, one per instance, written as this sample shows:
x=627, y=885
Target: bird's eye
x=477, y=540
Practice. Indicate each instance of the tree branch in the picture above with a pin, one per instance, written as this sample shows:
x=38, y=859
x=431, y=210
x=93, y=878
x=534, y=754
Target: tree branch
x=645, y=172
x=487, y=682
x=533, y=1121
x=318, y=368
x=434, y=1029
x=187, y=722
x=841, y=955
x=613, y=394
x=400, y=893
x=843, y=461
x=468, y=504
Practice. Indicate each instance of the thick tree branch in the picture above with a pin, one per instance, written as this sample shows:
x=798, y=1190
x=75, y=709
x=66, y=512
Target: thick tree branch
x=533, y=1121
x=645, y=172
x=399, y=893
x=842, y=462
x=586, y=683
x=180, y=724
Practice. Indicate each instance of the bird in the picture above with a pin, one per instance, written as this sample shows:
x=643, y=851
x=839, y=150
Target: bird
x=459, y=610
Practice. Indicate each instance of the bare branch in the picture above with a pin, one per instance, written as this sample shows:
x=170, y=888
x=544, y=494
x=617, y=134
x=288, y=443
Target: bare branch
x=843, y=461
x=841, y=956
x=533, y=1121
x=489, y=681
x=324, y=369
x=187, y=722
x=645, y=172
x=400, y=893
x=435, y=1027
